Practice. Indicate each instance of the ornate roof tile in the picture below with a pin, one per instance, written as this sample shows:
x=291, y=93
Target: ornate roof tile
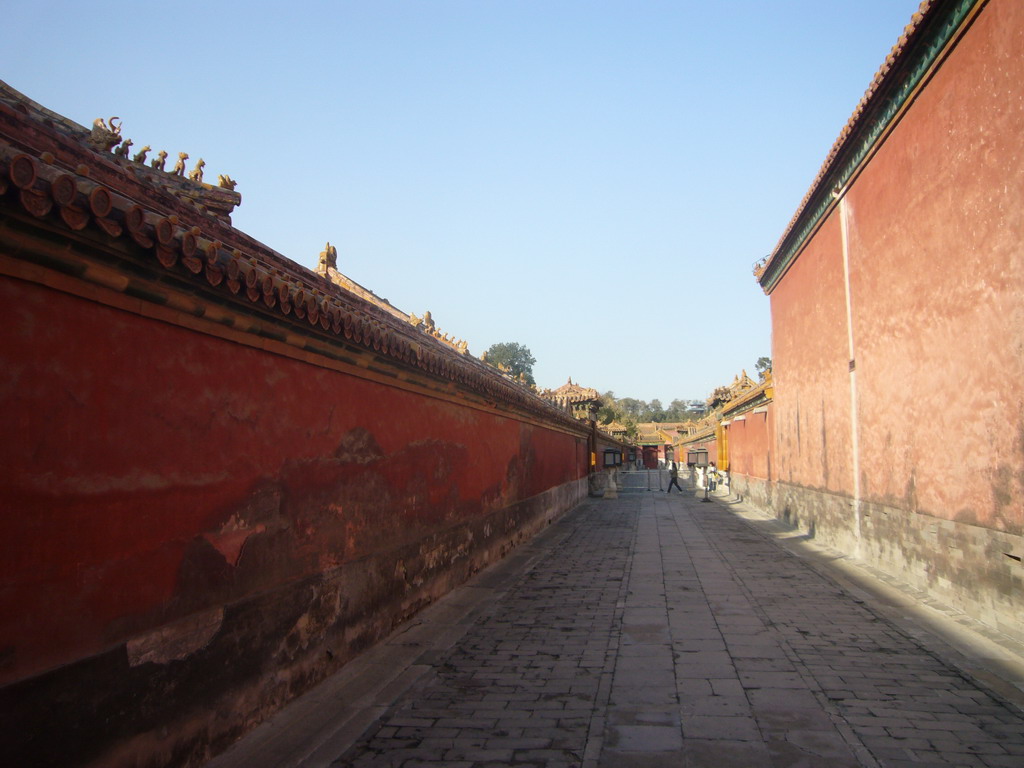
x=53, y=181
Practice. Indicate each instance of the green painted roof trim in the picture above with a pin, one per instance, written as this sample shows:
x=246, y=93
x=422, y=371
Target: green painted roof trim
x=941, y=26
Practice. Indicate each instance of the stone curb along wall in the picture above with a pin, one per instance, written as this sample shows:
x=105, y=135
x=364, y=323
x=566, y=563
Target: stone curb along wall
x=223, y=475
x=898, y=325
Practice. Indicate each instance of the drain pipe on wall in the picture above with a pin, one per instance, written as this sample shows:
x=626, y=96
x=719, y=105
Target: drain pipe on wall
x=839, y=193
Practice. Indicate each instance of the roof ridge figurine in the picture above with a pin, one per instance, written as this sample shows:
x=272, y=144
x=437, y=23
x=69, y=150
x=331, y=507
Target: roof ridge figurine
x=196, y=174
x=104, y=137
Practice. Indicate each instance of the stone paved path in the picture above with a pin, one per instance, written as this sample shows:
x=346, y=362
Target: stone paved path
x=655, y=631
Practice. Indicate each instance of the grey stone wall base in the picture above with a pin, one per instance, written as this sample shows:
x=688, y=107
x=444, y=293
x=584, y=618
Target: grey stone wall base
x=976, y=570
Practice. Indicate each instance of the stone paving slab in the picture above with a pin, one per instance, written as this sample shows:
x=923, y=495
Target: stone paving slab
x=655, y=630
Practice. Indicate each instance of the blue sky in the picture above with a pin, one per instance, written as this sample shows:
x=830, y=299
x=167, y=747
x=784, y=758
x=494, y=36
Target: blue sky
x=591, y=179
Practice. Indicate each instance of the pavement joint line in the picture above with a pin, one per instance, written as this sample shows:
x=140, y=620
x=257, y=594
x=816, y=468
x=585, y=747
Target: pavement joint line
x=809, y=679
x=598, y=721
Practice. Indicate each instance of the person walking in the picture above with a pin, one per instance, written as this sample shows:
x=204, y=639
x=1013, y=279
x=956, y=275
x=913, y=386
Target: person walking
x=674, y=475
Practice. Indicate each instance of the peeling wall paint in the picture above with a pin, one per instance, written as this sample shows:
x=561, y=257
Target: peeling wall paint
x=196, y=530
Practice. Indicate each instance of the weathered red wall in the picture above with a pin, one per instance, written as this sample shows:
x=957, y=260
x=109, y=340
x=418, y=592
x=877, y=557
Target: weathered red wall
x=938, y=289
x=936, y=280
x=924, y=474
x=153, y=473
x=810, y=366
x=750, y=445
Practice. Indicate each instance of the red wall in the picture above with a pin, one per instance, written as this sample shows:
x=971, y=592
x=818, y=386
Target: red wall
x=137, y=439
x=939, y=316
x=810, y=367
x=750, y=442
x=152, y=473
x=936, y=280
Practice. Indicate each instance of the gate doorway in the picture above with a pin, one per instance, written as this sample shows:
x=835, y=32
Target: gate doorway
x=650, y=457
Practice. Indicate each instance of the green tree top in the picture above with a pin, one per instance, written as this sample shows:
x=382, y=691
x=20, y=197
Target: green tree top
x=517, y=358
x=630, y=411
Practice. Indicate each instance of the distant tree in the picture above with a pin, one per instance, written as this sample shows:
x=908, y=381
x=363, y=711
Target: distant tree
x=630, y=411
x=606, y=414
x=654, y=411
x=632, y=407
x=763, y=365
x=517, y=358
x=677, y=411
x=613, y=409
x=631, y=430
